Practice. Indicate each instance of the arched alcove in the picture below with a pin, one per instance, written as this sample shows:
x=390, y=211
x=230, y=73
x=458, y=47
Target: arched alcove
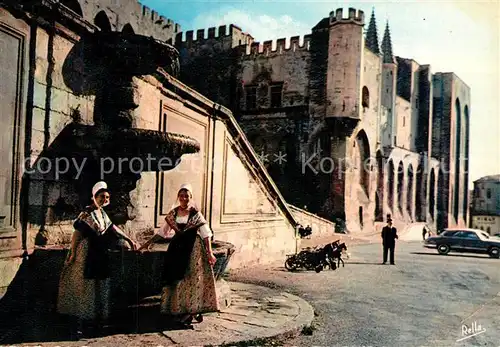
x=441, y=203
x=127, y=28
x=73, y=5
x=409, y=191
x=364, y=160
x=421, y=193
x=466, y=127
x=390, y=184
x=401, y=177
x=365, y=97
x=379, y=215
x=101, y=20
x=432, y=193
x=458, y=138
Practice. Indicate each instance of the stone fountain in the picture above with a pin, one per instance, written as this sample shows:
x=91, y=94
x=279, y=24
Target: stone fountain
x=118, y=58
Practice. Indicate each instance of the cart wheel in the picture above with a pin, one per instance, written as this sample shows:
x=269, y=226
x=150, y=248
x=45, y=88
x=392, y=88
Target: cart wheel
x=290, y=265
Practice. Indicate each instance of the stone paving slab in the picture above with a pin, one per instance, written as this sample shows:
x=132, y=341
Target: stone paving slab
x=249, y=318
x=255, y=313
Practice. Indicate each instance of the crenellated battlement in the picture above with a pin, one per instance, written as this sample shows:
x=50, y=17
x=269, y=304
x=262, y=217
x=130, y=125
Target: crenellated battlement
x=353, y=16
x=222, y=31
x=278, y=46
x=160, y=21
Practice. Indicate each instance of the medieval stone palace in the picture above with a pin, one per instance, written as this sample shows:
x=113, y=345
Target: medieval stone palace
x=330, y=127
x=344, y=127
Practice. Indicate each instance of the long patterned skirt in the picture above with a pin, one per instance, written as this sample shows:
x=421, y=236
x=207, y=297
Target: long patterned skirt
x=87, y=299
x=195, y=293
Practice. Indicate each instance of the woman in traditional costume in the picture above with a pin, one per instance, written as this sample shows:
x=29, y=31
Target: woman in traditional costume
x=84, y=286
x=189, y=280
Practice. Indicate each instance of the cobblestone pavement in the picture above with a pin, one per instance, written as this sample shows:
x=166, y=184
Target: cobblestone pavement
x=424, y=300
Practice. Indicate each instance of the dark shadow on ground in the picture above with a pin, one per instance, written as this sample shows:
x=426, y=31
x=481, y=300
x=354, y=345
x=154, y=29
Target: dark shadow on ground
x=459, y=255
x=28, y=309
x=363, y=263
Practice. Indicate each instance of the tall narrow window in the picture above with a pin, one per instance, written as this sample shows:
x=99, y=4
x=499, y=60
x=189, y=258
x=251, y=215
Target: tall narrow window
x=365, y=98
x=276, y=95
x=251, y=97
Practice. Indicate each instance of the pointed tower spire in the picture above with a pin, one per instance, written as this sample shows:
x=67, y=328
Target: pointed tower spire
x=371, y=35
x=387, y=46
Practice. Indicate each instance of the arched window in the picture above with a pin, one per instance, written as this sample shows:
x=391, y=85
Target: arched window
x=379, y=197
x=409, y=191
x=102, y=21
x=466, y=127
x=458, y=179
x=401, y=176
x=365, y=98
x=432, y=193
x=390, y=181
x=421, y=193
x=364, y=160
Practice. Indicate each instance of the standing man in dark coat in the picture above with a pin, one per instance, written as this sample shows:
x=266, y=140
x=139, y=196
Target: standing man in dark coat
x=389, y=236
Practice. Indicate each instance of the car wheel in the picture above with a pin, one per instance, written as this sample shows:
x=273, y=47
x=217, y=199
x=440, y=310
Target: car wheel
x=494, y=252
x=443, y=249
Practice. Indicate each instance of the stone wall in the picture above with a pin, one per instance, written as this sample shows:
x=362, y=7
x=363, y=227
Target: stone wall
x=450, y=141
x=127, y=15
x=55, y=106
x=289, y=66
x=209, y=64
x=345, y=70
x=320, y=226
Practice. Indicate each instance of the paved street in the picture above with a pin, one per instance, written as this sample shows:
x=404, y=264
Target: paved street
x=421, y=301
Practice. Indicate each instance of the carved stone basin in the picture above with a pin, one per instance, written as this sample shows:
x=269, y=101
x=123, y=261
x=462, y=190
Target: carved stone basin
x=133, y=54
x=87, y=140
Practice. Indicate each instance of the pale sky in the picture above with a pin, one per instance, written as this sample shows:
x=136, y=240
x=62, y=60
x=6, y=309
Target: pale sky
x=452, y=36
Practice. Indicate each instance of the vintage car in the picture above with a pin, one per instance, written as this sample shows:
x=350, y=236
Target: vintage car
x=465, y=241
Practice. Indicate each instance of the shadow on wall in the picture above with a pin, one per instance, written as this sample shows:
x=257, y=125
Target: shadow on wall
x=47, y=195
x=58, y=184
x=103, y=65
x=80, y=72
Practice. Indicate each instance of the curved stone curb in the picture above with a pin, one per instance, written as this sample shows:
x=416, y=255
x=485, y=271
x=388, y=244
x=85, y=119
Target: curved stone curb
x=291, y=329
x=256, y=313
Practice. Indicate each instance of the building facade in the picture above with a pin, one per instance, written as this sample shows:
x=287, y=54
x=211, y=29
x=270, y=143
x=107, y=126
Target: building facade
x=345, y=128
x=485, y=209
